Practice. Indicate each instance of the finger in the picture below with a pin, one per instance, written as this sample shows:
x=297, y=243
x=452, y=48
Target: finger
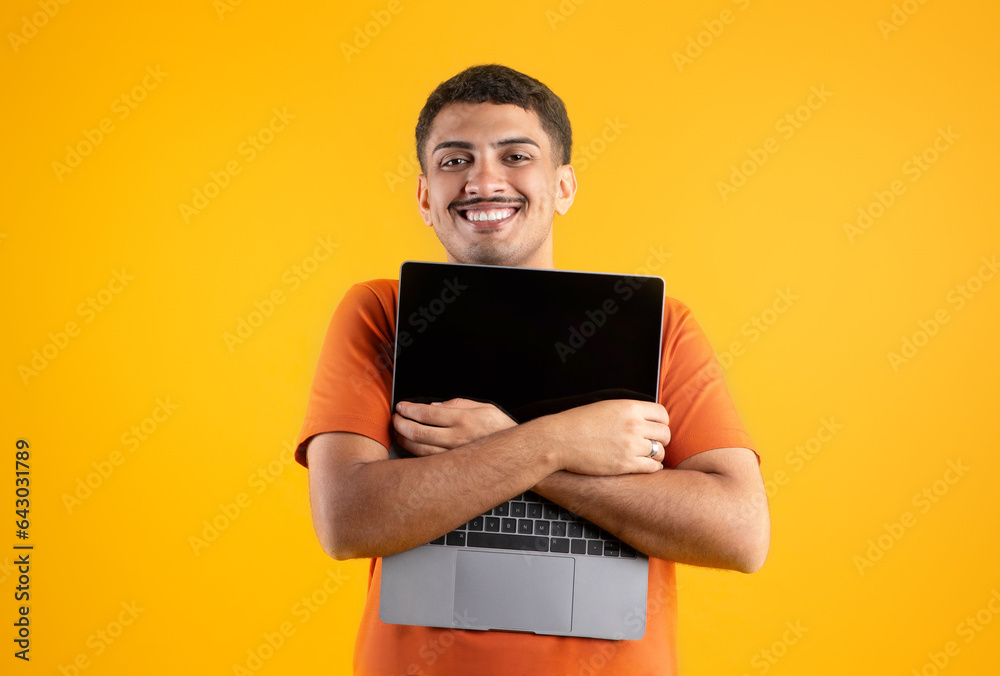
x=460, y=403
x=655, y=412
x=656, y=431
x=661, y=452
x=418, y=432
x=403, y=426
x=655, y=447
x=427, y=414
x=646, y=466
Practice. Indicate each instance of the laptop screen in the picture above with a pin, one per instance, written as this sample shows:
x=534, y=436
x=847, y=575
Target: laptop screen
x=532, y=342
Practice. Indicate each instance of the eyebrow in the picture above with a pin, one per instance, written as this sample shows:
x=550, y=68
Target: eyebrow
x=465, y=145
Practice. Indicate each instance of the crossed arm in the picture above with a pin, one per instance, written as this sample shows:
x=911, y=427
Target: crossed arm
x=710, y=510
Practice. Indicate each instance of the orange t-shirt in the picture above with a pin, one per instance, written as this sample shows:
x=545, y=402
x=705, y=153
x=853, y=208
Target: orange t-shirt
x=351, y=393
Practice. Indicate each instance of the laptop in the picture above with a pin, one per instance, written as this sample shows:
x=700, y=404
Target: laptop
x=532, y=342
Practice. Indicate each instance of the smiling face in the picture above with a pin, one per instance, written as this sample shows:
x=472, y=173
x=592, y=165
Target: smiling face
x=492, y=185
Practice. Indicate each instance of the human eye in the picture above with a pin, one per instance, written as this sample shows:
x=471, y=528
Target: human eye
x=453, y=162
x=518, y=158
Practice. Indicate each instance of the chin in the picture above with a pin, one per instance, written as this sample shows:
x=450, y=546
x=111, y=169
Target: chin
x=490, y=258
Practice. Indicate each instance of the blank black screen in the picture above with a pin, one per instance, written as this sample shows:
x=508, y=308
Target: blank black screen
x=533, y=342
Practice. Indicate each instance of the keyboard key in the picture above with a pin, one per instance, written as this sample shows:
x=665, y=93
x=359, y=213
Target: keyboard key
x=611, y=548
x=508, y=525
x=595, y=547
x=502, y=510
x=493, y=523
x=541, y=528
x=456, y=538
x=559, y=529
x=534, y=510
x=550, y=511
x=524, y=526
x=532, y=497
x=591, y=531
x=560, y=545
x=502, y=541
x=517, y=509
x=576, y=531
x=578, y=546
x=437, y=541
x=565, y=515
x=476, y=524
x=627, y=552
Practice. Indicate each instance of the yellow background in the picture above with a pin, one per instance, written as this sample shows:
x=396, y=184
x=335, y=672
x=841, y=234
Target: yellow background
x=662, y=133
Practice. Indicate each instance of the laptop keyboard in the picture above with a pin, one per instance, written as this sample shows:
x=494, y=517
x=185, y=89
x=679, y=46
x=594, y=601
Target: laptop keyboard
x=529, y=522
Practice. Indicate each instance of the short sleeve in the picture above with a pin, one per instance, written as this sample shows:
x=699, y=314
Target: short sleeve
x=352, y=388
x=693, y=390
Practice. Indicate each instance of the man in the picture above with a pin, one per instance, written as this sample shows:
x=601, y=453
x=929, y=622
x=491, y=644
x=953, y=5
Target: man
x=494, y=147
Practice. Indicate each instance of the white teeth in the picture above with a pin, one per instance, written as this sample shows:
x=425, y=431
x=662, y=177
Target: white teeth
x=489, y=215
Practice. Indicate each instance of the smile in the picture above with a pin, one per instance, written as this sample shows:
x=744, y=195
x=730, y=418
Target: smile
x=488, y=217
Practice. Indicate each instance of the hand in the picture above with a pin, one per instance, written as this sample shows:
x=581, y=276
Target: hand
x=427, y=429
x=607, y=437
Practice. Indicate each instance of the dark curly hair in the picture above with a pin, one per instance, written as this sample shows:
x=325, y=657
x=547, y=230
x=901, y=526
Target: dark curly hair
x=498, y=84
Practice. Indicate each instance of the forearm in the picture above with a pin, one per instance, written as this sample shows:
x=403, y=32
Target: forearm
x=682, y=515
x=368, y=509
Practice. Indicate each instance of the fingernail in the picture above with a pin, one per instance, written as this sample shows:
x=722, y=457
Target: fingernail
x=435, y=403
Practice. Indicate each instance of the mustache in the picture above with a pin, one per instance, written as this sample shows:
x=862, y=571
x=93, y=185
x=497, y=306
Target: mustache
x=482, y=200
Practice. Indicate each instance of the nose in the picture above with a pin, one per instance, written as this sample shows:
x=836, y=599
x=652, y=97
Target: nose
x=486, y=178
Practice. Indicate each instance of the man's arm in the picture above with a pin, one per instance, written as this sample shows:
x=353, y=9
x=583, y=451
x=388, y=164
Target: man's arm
x=366, y=505
x=711, y=510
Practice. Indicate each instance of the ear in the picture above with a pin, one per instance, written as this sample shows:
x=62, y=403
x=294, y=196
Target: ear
x=565, y=189
x=423, y=199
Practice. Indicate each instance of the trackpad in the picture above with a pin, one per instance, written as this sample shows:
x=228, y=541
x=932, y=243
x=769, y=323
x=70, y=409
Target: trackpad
x=523, y=592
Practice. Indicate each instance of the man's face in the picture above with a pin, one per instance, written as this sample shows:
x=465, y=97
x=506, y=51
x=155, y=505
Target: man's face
x=492, y=185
